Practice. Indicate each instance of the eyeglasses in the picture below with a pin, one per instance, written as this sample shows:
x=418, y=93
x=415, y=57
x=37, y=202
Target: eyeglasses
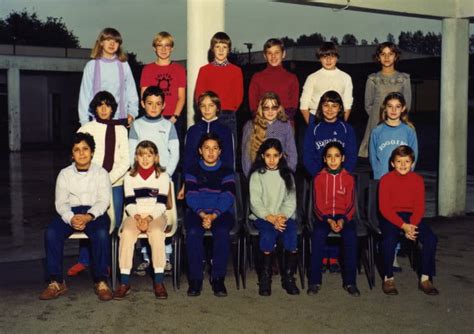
x=273, y=108
x=164, y=46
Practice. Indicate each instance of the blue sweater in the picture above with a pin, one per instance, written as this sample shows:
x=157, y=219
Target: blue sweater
x=383, y=140
x=210, y=189
x=318, y=135
x=193, y=137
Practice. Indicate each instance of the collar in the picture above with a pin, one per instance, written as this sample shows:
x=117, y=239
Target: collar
x=209, y=120
x=334, y=171
x=210, y=168
x=224, y=63
x=108, y=60
x=157, y=118
x=145, y=173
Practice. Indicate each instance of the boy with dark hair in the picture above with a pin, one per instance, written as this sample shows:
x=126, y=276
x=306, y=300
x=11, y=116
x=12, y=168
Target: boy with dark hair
x=82, y=197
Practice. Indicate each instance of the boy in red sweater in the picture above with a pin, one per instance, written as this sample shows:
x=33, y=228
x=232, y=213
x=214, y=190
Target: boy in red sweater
x=224, y=79
x=334, y=209
x=402, y=205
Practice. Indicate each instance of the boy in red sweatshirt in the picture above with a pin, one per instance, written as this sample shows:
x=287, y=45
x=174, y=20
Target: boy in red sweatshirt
x=402, y=205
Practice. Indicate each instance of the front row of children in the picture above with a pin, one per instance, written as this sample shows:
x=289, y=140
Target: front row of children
x=83, y=192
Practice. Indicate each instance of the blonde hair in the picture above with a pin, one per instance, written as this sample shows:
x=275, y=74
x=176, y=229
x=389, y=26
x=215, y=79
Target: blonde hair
x=403, y=117
x=260, y=124
x=161, y=36
x=108, y=33
x=142, y=147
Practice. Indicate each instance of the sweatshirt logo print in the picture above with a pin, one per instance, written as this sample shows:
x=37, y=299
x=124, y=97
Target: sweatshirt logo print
x=320, y=144
x=341, y=191
x=393, y=142
x=154, y=193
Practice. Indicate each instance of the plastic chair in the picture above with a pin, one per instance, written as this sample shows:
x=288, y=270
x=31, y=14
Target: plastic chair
x=172, y=226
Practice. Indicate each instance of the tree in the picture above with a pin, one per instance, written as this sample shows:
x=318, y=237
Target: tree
x=26, y=29
x=335, y=40
x=364, y=42
x=391, y=38
x=418, y=42
x=375, y=41
x=288, y=42
x=311, y=40
x=349, y=39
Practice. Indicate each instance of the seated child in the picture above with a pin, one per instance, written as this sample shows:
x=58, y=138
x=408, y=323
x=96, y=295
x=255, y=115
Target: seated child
x=146, y=194
x=273, y=205
x=334, y=209
x=83, y=193
x=210, y=195
x=402, y=205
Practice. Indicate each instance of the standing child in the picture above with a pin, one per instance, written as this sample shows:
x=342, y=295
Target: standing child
x=334, y=209
x=394, y=130
x=402, y=204
x=146, y=195
x=210, y=195
x=111, y=152
x=108, y=70
x=169, y=76
x=273, y=206
x=379, y=85
x=270, y=122
x=223, y=78
x=81, y=200
x=275, y=78
x=329, y=77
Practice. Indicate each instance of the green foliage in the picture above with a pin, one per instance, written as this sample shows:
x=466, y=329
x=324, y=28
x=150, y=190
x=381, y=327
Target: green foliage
x=418, y=42
x=24, y=28
x=349, y=39
x=313, y=39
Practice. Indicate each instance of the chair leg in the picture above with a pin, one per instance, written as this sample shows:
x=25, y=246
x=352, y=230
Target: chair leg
x=244, y=263
x=175, y=262
x=114, y=262
x=235, y=261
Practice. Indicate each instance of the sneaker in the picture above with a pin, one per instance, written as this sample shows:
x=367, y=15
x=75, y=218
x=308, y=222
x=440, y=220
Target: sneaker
x=160, y=291
x=218, y=287
x=122, y=291
x=103, y=291
x=142, y=268
x=53, y=291
x=76, y=269
x=352, y=290
x=195, y=287
x=313, y=289
x=168, y=268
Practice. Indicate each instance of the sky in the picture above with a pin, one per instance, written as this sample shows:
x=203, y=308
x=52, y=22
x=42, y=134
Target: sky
x=251, y=21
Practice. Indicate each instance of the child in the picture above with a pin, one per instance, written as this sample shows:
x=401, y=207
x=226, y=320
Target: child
x=334, y=209
x=273, y=206
x=329, y=126
x=210, y=194
x=163, y=134
x=275, y=78
x=108, y=70
x=223, y=78
x=402, y=205
x=111, y=152
x=146, y=195
x=394, y=130
x=169, y=76
x=379, y=85
x=82, y=198
x=270, y=122
x=329, y=77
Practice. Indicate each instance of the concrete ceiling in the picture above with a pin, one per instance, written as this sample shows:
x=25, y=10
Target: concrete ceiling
x=418, y=8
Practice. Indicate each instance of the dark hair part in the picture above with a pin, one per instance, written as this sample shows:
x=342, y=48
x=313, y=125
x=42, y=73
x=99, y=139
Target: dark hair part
x=153, y=91
x=273, y=42
x=332, y=144
x=214, y=98
x=402, y=151
x=141, y=147
x=103, y=97
x=329, y=96
x=327, y=49
x=210, y=136
x=392, y=46
x=259, y=164
x=86, y=137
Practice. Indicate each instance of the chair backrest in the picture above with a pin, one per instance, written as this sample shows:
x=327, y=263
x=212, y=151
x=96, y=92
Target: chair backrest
x=373, y=206
x=110, y=212
x=362, y=186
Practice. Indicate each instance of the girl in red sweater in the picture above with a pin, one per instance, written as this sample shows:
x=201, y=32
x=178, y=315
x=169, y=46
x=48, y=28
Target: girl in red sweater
x=402, y=205
x=334, y=209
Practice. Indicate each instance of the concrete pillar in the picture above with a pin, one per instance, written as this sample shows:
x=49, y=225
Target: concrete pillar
x=14, y=124
x=453, y=118
x=204, y=18
x=16, y=199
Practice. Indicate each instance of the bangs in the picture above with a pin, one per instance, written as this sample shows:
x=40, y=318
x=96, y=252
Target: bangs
x=111, y=33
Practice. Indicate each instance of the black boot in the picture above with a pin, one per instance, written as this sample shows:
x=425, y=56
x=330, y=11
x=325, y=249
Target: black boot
x=265, y=279
x=287, y=279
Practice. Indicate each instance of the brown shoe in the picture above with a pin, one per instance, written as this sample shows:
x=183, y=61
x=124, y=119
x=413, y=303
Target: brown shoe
x=103, y=291
x=389, y=288
x=122, y=291
x=53, y=291
x=428, y=288
x=160, y=291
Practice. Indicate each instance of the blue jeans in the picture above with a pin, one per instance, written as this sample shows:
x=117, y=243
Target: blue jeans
x=98, y=233
x=269, y=234
x=428, y=239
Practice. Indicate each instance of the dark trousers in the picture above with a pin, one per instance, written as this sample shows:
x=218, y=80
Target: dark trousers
x=269, y=234
x=98, y=233
x=390, y=234
x=220, y=228
x=318, y=241
x=229, y=119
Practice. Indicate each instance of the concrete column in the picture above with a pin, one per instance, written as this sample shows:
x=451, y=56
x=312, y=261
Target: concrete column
x=204, y=18
x=14, y=124
x=16, y=199
x=453, y=118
